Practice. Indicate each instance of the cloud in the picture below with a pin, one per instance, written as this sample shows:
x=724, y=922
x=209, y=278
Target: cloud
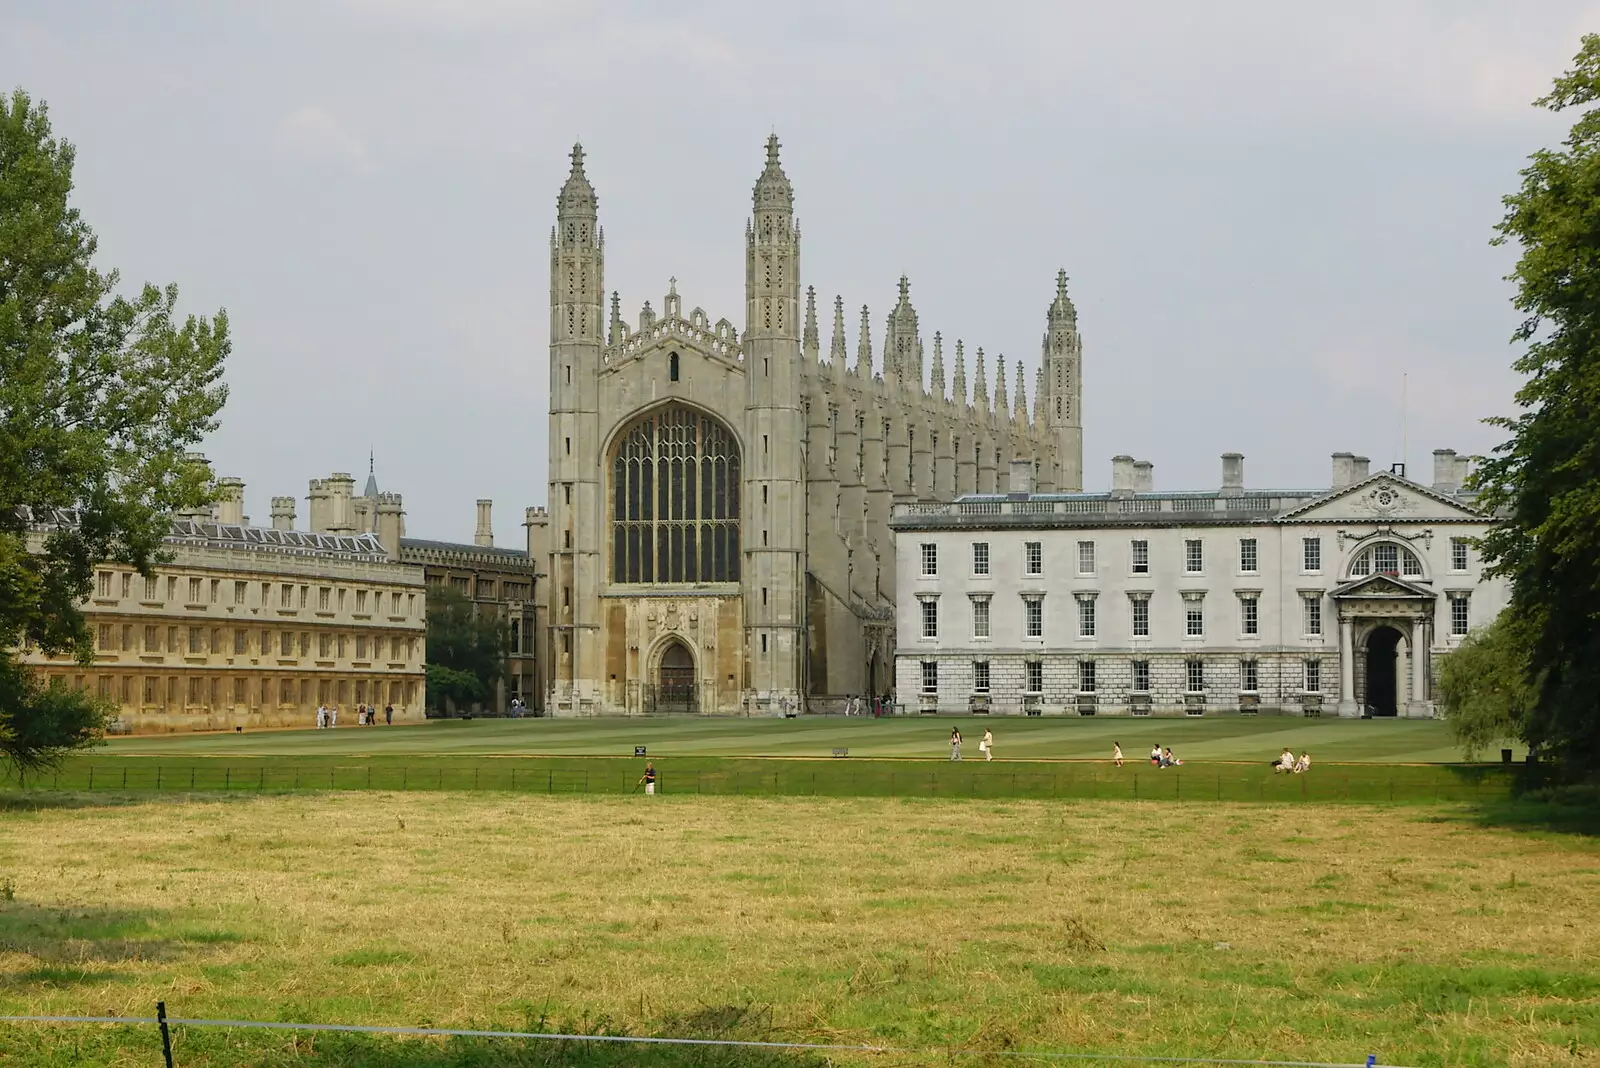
x=314, y=134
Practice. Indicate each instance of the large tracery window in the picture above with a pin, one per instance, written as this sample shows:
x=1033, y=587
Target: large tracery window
x=675, y=492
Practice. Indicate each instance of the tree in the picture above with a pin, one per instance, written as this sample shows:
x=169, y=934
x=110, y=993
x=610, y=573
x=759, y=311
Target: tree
x=101, y=397
x=466, y=649
x=1484, y=689
x=1546, y=477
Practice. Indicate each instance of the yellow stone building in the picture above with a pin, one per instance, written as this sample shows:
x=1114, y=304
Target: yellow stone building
x=252, y=627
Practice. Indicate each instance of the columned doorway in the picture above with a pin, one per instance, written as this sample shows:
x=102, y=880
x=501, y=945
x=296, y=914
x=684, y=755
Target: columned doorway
x=1378, y=616
x=1383, y=662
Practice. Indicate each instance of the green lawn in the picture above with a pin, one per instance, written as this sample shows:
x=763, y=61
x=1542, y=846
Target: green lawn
x=1054, y=738
x=1224, y=759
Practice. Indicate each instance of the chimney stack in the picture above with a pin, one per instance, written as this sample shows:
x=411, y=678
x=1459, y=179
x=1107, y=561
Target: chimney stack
x=390, y=522
x=1021, y=477
x=536, y=521
x=1343, y=468
x=1121, y=476
x=1449, y=471
x=230, y=501
x=341, y=488
x=1358, y=468
x=1144, y=476
x=1233, y=474
x=283, y=513
x=485, y=532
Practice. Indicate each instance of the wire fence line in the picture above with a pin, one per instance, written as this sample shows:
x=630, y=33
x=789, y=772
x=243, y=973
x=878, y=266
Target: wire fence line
x=839, y=778
x=163, y=1021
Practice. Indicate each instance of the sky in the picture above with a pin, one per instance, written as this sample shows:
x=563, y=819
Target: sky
x=1276, y=217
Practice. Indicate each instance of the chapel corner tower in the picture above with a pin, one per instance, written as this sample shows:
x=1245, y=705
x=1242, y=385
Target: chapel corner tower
x=1062, y=401
x=774, y=432
x=577, y=285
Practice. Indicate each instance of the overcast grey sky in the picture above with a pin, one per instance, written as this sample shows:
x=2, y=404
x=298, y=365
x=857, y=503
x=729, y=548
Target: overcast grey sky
x=1270, y=211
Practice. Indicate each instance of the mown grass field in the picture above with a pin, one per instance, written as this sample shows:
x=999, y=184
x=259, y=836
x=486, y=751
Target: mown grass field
x=1425, y=934
x=1044, y=738
x=1225, y=759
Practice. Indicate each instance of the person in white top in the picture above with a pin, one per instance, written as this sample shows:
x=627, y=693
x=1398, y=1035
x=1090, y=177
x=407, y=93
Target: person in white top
x=1304, y=763
x=322, y=717
x=986, y=747
x=1285, y=761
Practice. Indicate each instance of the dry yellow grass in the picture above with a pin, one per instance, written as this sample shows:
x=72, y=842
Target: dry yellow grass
x=1231, y=930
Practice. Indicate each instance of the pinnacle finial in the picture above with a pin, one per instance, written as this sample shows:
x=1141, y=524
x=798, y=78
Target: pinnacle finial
x=577, y=158
x=1061, y=283
x=371, y=460
x=772, y=148
x=672, y=286
x=905, y=289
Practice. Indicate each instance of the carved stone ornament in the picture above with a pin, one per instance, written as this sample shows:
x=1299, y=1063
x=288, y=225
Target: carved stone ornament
x=673, y=620
x=1384, y=501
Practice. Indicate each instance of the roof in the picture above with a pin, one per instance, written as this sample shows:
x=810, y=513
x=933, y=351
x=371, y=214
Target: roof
x=208, y=533
x=499, y=555
x=1185, y=508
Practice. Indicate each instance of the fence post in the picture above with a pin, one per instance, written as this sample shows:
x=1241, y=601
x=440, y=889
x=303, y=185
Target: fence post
x=549, y=780
x=369, y=776
x=1136, y=784
x=91, y=776
x=261, y=781
x=1219, y=786
x=403, y=776
x=166, y=1039
x=191, y=776
x=513, y=778
x=158, y=776
x=124, y=778
x=227, y=778
x=474, y=778
x=1391, y=788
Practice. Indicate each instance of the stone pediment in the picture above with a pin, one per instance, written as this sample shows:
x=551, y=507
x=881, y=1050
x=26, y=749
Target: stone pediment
x=1384, y=498
x=1383, y=587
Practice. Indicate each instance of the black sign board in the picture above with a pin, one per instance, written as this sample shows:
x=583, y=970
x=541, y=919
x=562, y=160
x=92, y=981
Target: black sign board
x=638, y=750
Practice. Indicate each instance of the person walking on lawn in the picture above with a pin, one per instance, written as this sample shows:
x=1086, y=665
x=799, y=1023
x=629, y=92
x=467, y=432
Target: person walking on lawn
x=986, y=747
x=955, y=743
x=649, y=778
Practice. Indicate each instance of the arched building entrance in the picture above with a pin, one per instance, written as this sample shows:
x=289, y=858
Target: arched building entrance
x=1383, y=676
x=1378, y=615
x=675, y=679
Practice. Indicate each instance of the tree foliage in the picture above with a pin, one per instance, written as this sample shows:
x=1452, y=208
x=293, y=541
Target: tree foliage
x=101, y=396
x=1546, y=477
x=1483, y=686
x=466, y=649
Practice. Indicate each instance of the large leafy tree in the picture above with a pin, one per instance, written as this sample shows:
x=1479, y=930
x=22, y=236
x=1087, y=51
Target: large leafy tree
x=1546, y=477
x=1484, y=689
x=466, y=649
x=101, y=396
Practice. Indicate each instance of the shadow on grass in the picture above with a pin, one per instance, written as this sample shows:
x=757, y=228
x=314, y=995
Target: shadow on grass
x=68, y=941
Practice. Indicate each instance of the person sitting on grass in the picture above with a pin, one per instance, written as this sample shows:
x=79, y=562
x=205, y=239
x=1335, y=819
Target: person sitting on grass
x=1168, y=760
x=1304, y=763
x=1285, y=762
x=1155, y=755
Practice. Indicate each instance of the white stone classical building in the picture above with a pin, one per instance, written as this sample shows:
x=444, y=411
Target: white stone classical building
x=1228, y=600
x=720, y=494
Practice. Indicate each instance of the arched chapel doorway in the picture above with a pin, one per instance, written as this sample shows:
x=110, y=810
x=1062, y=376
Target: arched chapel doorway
x=1383, y=662
x=675, y=685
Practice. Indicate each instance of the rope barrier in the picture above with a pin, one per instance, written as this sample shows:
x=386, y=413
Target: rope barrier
x=814, y=1047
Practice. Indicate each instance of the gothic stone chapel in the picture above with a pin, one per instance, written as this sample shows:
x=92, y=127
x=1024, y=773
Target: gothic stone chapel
x=720, y=496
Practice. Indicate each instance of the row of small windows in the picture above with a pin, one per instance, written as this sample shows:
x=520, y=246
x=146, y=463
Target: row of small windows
x=1194, y=616
x=195, y=692
x=1383, y=558
x=199, y=641
x=238, y=592
x=1194, y=676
